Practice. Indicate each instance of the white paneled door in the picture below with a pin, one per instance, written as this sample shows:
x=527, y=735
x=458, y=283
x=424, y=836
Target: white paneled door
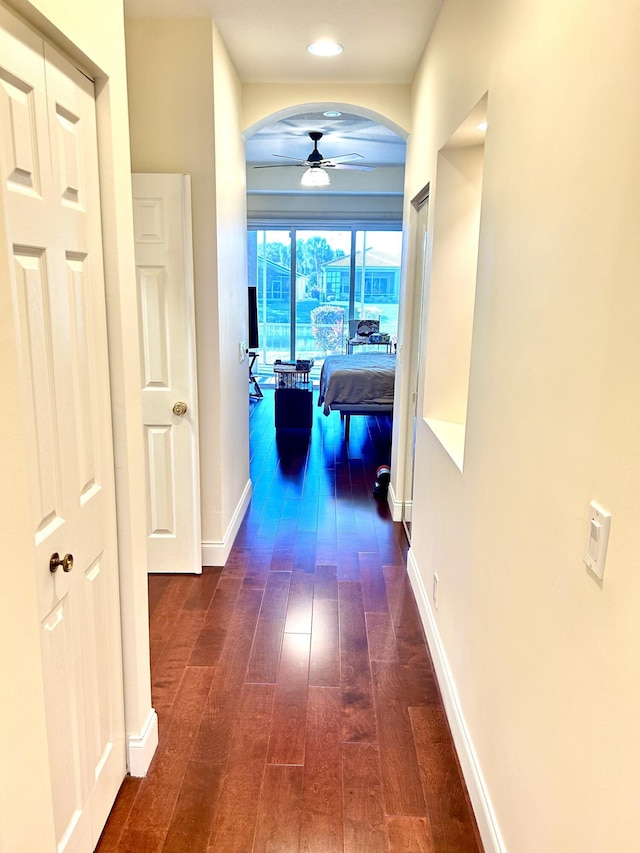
x=164, y=273
x=49, y=182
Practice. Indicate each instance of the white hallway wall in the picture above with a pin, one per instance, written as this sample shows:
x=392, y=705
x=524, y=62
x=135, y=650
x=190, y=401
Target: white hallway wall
x=544, y=659
x=184, y=113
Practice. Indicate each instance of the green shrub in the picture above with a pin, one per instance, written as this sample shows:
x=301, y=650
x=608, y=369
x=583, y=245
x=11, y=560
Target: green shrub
x=327, y=327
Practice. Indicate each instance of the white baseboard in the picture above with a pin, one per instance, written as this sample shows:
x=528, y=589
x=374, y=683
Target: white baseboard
x=217, y=553
x=480, y=800
x=395, y=506
x=141, y=748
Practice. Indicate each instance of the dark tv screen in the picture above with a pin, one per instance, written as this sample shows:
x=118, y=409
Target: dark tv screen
x=253, y=318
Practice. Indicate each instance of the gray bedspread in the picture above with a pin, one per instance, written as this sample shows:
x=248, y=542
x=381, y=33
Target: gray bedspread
x=358, y=378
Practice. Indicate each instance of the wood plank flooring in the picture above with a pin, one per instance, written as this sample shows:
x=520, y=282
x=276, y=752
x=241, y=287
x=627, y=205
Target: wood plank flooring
x=297, y=704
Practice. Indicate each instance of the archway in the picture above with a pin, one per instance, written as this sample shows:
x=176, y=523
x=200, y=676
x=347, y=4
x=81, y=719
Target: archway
x=330, y=251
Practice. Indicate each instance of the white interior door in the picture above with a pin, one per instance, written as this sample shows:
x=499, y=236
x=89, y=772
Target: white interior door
x=49, y=178
x=164, y=273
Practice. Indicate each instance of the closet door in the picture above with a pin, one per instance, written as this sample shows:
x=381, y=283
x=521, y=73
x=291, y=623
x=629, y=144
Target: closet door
x=49, y=179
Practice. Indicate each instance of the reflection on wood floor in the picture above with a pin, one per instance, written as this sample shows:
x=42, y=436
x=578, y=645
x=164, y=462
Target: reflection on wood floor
x=297, y=703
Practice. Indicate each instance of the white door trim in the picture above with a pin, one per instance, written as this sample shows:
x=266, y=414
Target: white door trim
x=114, y=166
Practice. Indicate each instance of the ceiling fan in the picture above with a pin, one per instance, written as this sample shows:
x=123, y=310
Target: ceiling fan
x=316, y=161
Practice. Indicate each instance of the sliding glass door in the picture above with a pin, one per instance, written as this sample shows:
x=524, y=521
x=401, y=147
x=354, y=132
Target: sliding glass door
x=312, y=282
x=270, y=273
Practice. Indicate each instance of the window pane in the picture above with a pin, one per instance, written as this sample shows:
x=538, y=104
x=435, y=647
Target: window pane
x=322, y=292
x=270, y=272
x=377, y=278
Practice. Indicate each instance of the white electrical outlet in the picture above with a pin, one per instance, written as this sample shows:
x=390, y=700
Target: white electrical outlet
x=243, y=350
x=436, y=586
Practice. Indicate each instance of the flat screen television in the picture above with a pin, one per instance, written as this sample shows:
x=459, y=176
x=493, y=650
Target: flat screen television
x=253, y=342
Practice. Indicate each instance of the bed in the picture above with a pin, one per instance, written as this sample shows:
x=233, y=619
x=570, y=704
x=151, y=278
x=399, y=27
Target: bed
x=360, y=384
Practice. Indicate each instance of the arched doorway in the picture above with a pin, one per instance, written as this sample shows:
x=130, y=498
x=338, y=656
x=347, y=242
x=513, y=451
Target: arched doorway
x=322, y=256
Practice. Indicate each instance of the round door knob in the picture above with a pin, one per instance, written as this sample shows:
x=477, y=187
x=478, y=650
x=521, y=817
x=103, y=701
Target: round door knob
x=66, y=562
x=180, y=408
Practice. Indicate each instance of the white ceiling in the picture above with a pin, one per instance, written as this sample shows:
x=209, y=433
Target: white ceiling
x=267, y=41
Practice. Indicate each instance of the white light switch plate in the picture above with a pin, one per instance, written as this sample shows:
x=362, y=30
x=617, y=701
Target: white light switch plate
x=595, y=550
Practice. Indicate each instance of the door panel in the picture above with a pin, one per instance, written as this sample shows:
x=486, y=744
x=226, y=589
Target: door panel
x=84, y=403
x=66, y=750
x=162, y=230
x=152, y=287
x=35, y=309
x=161, y=481
x=49, y=177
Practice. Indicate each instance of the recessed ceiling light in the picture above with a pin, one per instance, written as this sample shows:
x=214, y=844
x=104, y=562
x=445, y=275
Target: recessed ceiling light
x=332, y=114
x=482, y=126
x=325, y=47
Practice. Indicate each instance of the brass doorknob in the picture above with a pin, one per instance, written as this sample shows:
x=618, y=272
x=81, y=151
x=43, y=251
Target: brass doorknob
x=180, y=409
x=66, y=562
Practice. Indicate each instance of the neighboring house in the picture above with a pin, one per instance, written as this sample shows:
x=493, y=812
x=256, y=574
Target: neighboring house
x=272, y=279
x=275, y=280
x=381, y=277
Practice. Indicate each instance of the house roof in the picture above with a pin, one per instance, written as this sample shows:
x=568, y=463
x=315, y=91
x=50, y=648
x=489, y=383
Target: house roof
x=374, y=258
x=275, y=265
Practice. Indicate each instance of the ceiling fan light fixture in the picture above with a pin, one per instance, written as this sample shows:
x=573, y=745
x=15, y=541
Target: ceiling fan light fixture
x=325, y=47
x=314, y=176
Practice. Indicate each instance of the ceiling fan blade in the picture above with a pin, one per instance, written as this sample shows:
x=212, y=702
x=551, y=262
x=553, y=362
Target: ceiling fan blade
x=296, y=160
x=279, y=165
x=342, y=158
x=352, y=166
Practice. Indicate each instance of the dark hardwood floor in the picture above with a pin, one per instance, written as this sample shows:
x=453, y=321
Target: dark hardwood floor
x=297, y=703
